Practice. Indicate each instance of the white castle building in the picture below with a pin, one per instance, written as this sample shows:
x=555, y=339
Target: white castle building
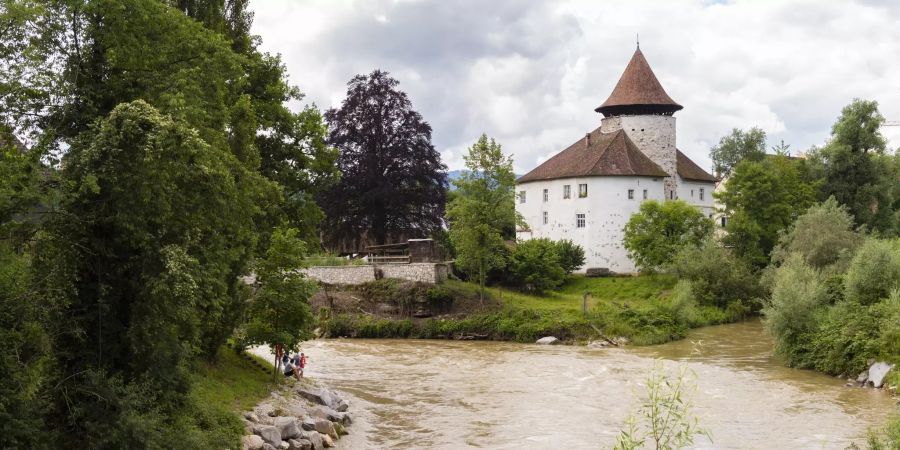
x=587, y=192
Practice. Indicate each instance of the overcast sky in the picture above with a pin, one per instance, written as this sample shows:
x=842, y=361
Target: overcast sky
x=530, y=73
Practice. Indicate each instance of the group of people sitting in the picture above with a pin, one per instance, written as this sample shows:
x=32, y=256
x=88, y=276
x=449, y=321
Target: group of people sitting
x=294, y=365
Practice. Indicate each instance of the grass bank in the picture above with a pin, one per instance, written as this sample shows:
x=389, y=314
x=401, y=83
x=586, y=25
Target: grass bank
x=222, y=391
x=640, y=308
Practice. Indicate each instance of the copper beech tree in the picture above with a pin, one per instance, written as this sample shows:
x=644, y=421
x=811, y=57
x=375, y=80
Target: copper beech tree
x=393, y=182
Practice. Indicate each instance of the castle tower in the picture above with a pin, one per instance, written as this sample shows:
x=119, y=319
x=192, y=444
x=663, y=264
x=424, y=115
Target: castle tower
x=640, y=106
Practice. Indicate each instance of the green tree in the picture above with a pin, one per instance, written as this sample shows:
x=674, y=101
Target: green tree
x=716, y=276
x=761, y=199
x=855, y=172
x=145, y=254
x=571, y=255
x=823, y=236
x=656, y=233
x=535, y=265
x=482, y=214
x=874, y=272
x=279, y=312
x=738, y=146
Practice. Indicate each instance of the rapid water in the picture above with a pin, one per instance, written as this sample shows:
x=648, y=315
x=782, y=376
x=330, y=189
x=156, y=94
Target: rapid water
x=450, y=394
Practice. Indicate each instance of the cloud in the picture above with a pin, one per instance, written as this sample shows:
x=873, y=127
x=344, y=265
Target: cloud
x=530, y=73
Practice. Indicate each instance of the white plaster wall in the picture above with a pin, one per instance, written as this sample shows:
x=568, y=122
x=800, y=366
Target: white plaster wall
x=654, y=135
x=606, y=209
x=689, y=191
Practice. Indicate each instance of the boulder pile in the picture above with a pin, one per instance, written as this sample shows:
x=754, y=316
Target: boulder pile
x=302, y=418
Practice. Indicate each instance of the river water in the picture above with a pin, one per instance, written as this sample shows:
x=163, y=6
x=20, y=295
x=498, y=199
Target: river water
x=451, y=394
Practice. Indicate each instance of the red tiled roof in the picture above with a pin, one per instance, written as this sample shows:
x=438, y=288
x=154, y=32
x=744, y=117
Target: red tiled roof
x=597, y=154
x=689, y=170
x=638, y=91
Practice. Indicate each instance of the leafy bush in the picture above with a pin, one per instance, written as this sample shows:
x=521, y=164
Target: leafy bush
x=847, y=335
x=571, y=255
x=874, y=272
x=535, y=266
x=823, y=235
x=656, y=233
x=791, y=314
x=717, y=277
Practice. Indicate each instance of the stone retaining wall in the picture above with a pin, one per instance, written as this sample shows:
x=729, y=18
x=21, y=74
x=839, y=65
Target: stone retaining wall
x=422, y=272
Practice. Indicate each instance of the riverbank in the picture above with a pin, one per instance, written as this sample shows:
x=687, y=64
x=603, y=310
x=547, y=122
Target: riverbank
x=245, y=406
x=640, y=309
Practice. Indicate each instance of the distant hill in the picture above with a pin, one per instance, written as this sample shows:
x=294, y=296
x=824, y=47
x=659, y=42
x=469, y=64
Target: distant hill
x=457, y=174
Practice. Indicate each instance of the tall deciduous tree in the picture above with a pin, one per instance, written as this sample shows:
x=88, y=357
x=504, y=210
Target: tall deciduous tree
x=145, y=254
x=736, y=147
x=762, y=199
x=279, y=311
x=393, y=182
x=482, y=214
x=855, y=171
x=659, y=230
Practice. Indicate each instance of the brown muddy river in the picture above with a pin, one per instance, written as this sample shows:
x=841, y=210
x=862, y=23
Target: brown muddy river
x=450, y=394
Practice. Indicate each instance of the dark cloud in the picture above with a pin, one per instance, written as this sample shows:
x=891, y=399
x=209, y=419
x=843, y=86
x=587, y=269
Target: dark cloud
x=530, y=73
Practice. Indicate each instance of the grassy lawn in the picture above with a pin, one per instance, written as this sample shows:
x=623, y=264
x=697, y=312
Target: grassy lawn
x=638, y=308
x=233, y=383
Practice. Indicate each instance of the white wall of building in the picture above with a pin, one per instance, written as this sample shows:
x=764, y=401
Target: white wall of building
x=690, y=192
x=606, y=208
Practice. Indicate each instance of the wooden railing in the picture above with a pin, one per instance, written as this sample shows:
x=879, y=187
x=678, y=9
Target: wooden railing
x=401, y=259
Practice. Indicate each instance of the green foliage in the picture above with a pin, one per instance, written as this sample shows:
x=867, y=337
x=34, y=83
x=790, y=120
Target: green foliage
x=666, y=413
x=659, y=230
x=279, y=310
x=854, y=169
x=874, y=271
x=738, y=146
x=571, y=255
x=716, y=276
x=761, y=199
x=482, y=213
x=792, y=313
x=534, y=265
x=145, y=253
x=25, y=355
x=823, y=236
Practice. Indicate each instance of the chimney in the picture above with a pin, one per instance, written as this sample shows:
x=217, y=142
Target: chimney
x=587, y=139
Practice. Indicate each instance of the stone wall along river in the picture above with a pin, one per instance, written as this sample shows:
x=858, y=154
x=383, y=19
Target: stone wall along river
x=449, y=394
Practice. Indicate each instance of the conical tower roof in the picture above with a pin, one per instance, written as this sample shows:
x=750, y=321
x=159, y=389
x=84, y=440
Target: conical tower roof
x=638, y=92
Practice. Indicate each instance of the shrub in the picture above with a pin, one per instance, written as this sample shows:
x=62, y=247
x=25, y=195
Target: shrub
x=717, y=277
x=659, y=230
x=571, y=255
x=823, y=235
x=798, y=296
x=535, y=266
x=874, y=272
x=846, y=337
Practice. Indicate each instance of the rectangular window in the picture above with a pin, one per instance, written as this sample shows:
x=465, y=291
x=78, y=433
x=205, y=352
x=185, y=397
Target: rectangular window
x=521, y=196
x=582, y=190
x=702, y=194
x=692, y=193
x=567, y=191
x=631, y=194
x=671, y=195
x=546, y=195
x=546, y=218
x=645, y=194
x=579, y=220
